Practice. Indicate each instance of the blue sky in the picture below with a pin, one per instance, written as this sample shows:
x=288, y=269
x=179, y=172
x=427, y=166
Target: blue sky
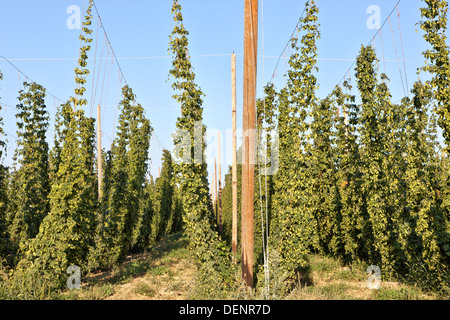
x=36, y=38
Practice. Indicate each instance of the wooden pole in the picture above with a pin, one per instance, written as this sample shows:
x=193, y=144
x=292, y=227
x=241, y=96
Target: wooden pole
x=249, y=119
x=211, y=187
x=99, y=152
x=215, y=188
x=219, y=200
x=234, y=167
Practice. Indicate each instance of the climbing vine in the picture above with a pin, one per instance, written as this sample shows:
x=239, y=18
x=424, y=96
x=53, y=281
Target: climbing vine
x=295, y=228
x=29, y=201
x=212, y=256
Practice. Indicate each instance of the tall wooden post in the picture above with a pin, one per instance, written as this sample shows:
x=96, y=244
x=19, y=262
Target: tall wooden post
x=249, y=120
x=215, y=188
x=234, y=167
x=219, y=200
x=212, y=188
x=99, y=152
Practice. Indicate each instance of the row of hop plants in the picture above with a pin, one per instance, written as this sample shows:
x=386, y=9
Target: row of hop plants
x=51, y=216
x=216, y=272
x=359, y=178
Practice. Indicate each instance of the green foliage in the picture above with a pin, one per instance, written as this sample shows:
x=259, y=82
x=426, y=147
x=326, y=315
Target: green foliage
x=427, y=224
x=139, y=144
x=371, y=155
x=347, y=159
x=144, y=227
x=325, y=201
x=81, y=72
x=123, y=202
x=2, y=133
x=163, y=199
x=62, y=117
x=29, y=201
x=66, y=234
x=265, y=126
x=227, y=212
x=176, y=218
x=27, y=284
x=382, y=149
x=212, y=256
x=436, y=227
x=438, y=60
x=294, y=225
x=5, y=244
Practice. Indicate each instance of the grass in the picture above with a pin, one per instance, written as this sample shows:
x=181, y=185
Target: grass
x=166, y=271
x=331, y=280
x=404, y=293
x=158, y=270
x=145, y=289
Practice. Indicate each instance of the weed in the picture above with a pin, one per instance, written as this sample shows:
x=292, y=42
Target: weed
x=396, y=294
x=106, y=290
x=144, y=289
x=158, y=270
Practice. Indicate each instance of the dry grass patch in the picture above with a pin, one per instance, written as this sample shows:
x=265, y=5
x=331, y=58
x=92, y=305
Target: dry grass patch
x=330, y=280
x=164, y=272
x=167, y=272
x=159, y=283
